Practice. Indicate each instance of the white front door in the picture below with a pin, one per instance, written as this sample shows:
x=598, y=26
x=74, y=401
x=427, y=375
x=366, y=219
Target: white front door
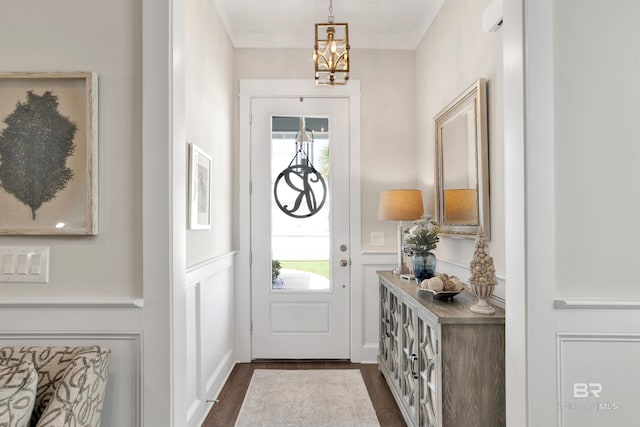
x=300, y=228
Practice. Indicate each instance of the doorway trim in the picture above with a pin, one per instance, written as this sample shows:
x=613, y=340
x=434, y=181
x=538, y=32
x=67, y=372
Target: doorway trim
x=294, y=88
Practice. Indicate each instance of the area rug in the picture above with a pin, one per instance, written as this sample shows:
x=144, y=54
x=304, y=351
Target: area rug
x=300, y=398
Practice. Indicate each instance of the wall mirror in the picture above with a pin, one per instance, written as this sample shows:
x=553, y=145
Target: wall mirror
x=462, y=173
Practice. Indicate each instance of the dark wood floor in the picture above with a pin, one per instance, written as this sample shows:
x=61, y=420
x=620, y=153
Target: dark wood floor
x=225, y=411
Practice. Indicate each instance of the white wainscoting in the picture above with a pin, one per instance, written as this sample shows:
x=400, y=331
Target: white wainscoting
x=370, y=263
x=210, y=333
x=123, y=398
x=598, y=362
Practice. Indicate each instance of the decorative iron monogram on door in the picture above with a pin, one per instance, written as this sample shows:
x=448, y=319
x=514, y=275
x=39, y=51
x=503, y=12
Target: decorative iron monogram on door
x=300, y=190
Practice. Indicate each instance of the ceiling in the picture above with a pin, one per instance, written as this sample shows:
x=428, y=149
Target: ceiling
x=373, y=24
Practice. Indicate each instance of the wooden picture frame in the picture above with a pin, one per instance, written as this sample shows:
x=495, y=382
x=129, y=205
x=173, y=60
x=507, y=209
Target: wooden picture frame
x=199, y=188
x=48, y=153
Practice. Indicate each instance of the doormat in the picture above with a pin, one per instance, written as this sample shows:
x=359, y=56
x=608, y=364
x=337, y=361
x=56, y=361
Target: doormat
x=314, y=398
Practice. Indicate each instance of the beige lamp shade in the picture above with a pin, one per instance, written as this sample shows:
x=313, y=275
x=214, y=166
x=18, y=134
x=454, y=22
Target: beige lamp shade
x=460, y=206
x=400, y=205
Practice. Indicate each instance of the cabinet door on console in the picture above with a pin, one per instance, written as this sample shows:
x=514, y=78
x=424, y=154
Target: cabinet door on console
x=385, y=325
x=409, y=359
x=428, y=376
x=394, y=343
x=390, y=332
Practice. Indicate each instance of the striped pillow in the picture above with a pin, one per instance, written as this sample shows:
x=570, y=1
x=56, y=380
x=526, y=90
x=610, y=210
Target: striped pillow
x=18, y=384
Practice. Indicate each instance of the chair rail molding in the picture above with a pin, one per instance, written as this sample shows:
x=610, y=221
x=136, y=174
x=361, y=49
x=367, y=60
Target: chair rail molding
x=587, y=303
x=54, y=302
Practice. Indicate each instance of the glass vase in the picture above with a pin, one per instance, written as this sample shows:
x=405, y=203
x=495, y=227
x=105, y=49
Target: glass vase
x=424, y=267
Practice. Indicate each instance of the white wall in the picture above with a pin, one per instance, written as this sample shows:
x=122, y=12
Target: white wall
x=582, y=296
x=171, y=356
x=596, y=89
x=209, y=115
x=454, y=53
x=388, y=119
x=44, y=36
x=95, y=282
x=387, y=142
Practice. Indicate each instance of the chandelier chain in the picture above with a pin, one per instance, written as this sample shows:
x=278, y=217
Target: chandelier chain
x=330, y=10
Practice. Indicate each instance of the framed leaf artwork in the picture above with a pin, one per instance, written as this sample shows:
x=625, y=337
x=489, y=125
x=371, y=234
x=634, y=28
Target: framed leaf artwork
x=48, y=153
x=199, y=188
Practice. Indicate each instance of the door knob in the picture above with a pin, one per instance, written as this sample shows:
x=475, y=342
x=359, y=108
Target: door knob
x=344, y=262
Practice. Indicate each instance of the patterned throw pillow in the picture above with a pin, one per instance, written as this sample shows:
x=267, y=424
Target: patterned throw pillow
x=18, y=384
x=71, y=383
x=79, y=393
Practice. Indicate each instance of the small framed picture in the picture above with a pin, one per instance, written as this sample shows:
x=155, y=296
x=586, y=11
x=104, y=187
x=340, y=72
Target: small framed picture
x=48, y=153
x=199, y=188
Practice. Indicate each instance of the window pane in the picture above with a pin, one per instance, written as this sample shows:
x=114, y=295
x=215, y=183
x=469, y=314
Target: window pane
x=300, y=246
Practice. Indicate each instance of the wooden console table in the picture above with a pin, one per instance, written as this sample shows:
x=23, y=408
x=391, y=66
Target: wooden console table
x=444, y=364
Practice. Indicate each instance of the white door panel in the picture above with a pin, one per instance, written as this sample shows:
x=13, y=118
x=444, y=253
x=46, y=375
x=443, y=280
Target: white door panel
x=307, y=314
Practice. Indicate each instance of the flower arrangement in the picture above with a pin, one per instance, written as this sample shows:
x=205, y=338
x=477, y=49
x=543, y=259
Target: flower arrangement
x=422, y=237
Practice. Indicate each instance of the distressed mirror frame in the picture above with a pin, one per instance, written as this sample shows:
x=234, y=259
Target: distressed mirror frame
x=474, y=99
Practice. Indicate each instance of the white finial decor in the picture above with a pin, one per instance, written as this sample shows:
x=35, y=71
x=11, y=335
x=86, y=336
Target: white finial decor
x=482, y=275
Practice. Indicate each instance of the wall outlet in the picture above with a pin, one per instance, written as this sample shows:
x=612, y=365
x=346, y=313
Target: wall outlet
x=377, y=238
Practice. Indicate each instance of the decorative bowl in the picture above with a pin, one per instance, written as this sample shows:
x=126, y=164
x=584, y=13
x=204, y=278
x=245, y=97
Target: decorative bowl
x=442, y=295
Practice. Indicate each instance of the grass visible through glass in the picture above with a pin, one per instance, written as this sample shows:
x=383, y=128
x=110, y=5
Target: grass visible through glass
x=312, y=266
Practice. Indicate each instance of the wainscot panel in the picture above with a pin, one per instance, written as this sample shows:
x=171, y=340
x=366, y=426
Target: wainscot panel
x=598, y=375
x=210, y=333
x=370, y=263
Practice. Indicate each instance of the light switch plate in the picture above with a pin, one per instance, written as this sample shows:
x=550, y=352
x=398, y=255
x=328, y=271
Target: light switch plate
x=24, y=264
x=377, y=238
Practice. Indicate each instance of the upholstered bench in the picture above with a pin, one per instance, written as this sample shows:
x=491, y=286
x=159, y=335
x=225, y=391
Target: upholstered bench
x=70, y=387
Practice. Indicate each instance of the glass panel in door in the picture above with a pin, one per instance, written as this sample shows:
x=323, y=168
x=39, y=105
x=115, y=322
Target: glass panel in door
x=300, y=204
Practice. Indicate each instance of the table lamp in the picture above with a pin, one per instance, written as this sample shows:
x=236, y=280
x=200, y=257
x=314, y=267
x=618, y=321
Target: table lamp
x=400, y=205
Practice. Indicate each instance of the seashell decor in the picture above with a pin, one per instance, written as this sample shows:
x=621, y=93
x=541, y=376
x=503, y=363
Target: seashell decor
x=482, y=275
x=481, y=268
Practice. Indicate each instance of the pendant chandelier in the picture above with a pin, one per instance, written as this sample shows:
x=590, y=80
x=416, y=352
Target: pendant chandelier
x=331, y=52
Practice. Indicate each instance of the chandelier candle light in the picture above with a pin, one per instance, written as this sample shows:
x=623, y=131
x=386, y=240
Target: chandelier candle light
x=331, y=52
